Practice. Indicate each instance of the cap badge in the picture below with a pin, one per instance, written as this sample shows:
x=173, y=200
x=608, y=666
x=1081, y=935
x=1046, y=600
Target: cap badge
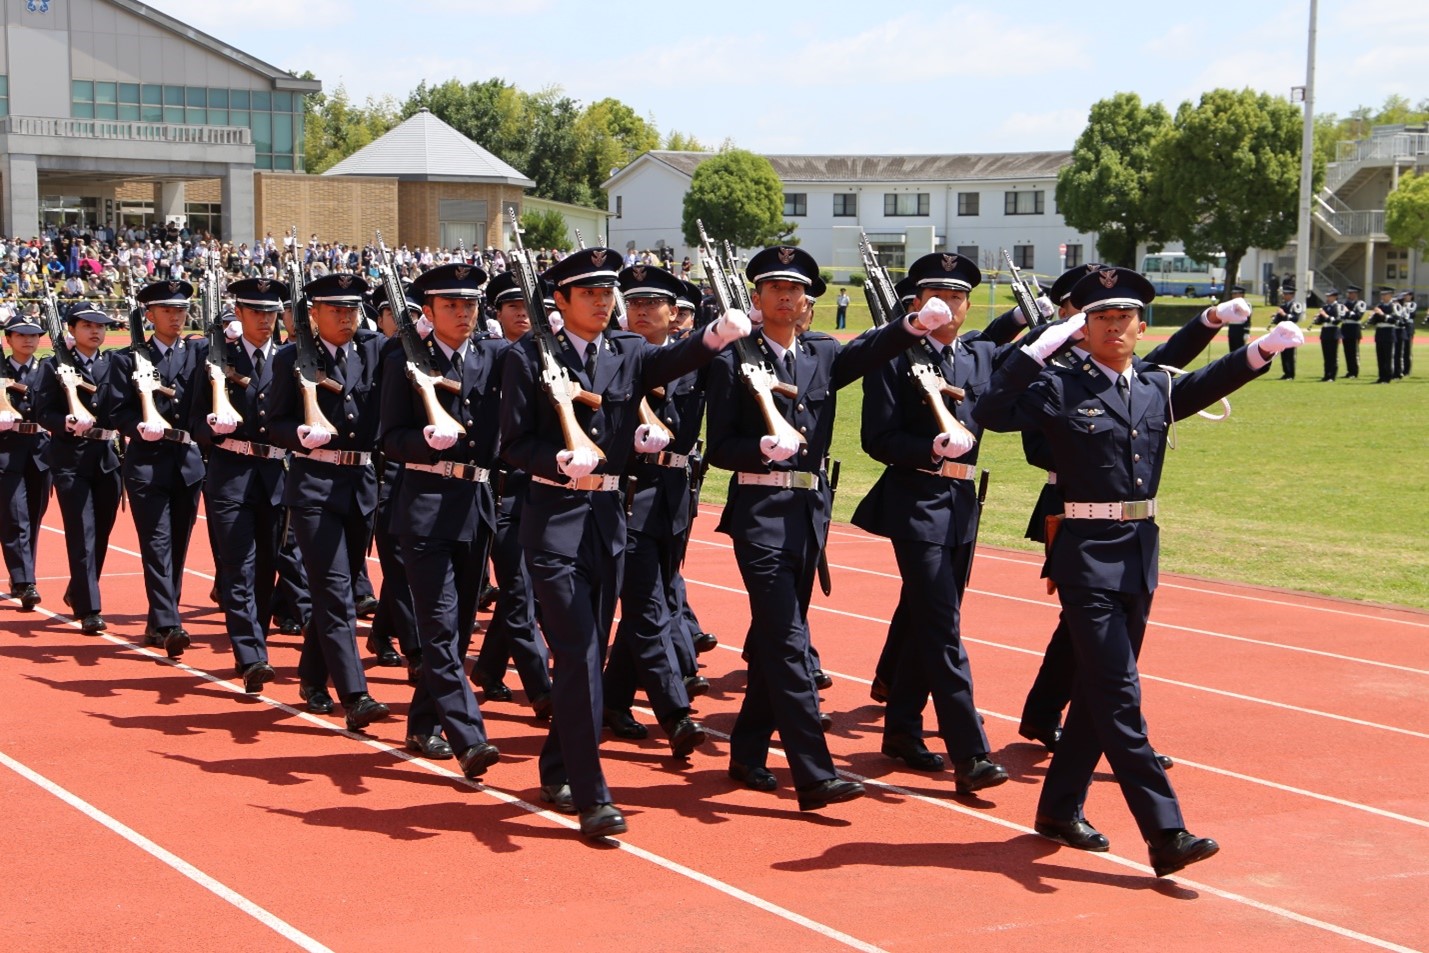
x=344, y=281
x=173, y=287
x=461, y=271
x=638, y=272
x=263, y=284
x=1107, y=276
x=950, y=262
x=786, y=255
x=597, y=257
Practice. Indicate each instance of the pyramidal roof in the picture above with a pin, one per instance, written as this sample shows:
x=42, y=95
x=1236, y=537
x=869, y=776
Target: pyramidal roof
x=423, y=148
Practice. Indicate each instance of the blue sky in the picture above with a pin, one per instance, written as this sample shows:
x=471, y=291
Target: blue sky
x=834, y=76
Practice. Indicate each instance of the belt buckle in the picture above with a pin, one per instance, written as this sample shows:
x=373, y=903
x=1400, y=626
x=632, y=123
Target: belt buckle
x=1137, y=509
x=448, y=468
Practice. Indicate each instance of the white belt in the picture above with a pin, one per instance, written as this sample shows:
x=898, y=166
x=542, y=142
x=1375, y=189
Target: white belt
x=249, y=449
x=957, y=471
x=94, y=433
x=783, y=479
x=342, y=458
x=453, y=470
x=595, y=482
x=665, y=459
x=1051, y=477
x=1130, y=510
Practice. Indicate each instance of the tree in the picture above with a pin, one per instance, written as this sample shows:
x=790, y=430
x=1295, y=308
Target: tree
x=1406, y=212
x=676, y=141
x=1104, y=190
x=1228, y=175
x=334, y=128
x=739, y=197
x=544, y=229
x=611, y=135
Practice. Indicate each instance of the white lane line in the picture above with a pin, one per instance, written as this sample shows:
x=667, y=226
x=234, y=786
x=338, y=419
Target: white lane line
x=1049, y=604
x=822, y=929
x=217, y=888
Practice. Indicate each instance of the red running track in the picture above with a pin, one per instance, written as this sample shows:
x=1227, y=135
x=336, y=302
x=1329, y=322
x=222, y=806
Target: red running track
x=154, y=806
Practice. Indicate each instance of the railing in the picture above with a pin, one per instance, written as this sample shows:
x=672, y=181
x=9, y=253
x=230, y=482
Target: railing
x=1366, y=224
x=119, y=129
x=1352, y=156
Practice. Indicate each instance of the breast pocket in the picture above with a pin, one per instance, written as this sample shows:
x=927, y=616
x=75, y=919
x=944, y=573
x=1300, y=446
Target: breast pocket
x=1093, y=441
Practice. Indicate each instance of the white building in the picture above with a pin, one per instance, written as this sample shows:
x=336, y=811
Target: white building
x=974, y=205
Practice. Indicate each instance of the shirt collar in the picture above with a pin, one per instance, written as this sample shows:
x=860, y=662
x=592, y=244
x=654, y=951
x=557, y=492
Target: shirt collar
x=1111, y=374
x=579, y=343
x=463, y=350
x=775, y=348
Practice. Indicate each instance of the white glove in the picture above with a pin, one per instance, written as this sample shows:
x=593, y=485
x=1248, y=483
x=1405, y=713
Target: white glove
x=224, y=423
x=557, y=322
x=1283, y=336
x=1045, y=307
x=623, y=320
x=1234, y=311
x=233, y=330
x=1056, y=335
x=7, y=420
x=730, y=326
x=934, y=315
x=777, y=448
x=650, y=439
x=69, y=340
x=577, y=463
x=313, y=437
x=439, y=438
x=756, y=317
x=493, y=327
x=78, y=425
x=151, y=432
x=424, y=327
x=953, y=445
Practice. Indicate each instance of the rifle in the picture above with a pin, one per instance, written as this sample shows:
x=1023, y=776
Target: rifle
x=826, y=582
x=7, y=384
x=420, y=371
x=758, y=377
x=305, y=364
x=559, y=387
x=220, y=372
x=699, y=466
x=146, y=378
x=66, y=366
x=977, y=524
x=1025, y=299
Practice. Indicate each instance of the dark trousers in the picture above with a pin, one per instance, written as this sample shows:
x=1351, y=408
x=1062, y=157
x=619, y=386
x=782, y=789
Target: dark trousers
x=164, y=516
x=1384, y=339
x=1052, y=688
x=1351, y=339
x=841, y=318
x=512, y=632
x=686, y=626
x=395, y=618
x=89, y=502
x=1287, y=362
x=1106, y=629
x=26, y=495
x=780, y=695
x=1406, y=350
x=643, y=650
x=1237, y=335
x=577, y=596
x=1330, y=350
x=930, y=655
x=446, y=577
x=332, y=543
x=245, y=537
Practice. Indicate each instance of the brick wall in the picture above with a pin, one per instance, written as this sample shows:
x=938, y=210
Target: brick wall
x=346, y=209
x=417, y=202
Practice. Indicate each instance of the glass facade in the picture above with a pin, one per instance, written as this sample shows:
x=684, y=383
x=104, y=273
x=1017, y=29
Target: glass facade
x=274, y=118
x=4, y=95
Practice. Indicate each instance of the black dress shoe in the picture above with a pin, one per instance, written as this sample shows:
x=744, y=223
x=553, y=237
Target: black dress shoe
x=256, y=675
x=753, y=777
x=414, y=670
x=622, y=724
x=696, y=685
x=822, y=680
x=541, y=706
x=977, y=773
x=363, y=710
x=912, y=752
x=559, y=797
x=826, y=722
x=318, y=700
x=878, y=691
x=1164, y=760
x=213, y=594
x=176, y=639
x=1078, y=834
x=29, y=597
x=686, y=735
x=431, y=747
x=603, y=820
x=828, y=792
x=381, y=649
x=1044, y=735
x=1179, y=848
x=154, y=638
x=495, y=692
x=704, y=642
x=475, y=760
x=290, y=627
x=92, y=623
x=367, y=607
x=488, y=598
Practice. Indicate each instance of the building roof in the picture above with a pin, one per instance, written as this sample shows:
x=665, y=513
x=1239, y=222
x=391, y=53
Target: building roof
x=847, y=168
x=423, y=148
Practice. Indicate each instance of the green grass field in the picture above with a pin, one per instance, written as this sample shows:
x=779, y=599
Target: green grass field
x=1310, y=486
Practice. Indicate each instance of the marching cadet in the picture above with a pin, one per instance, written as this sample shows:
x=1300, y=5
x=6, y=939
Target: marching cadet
x=163, y=468
x=573, y=525
x=1290, y=310
x=331, y=488
x=1328, y=319
x=24, y=464
x=658, y=512
x=1351, y=330
x=243, y=492
x=778, y=515
x=1385, y=318
x=1106, y=421
x=925, y=502
x=448, y=513
x=1407, y=307
x=84, y=457
x=511, y=634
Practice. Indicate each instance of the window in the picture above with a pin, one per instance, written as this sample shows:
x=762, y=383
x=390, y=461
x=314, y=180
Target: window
x=4, y=95
x=204, y=216
x=905, y=203
x=845, y=204
x=1022, y=256
x=1024, y=203
x=891, y=256
x=1073, y=257
x=796, y=204
x=970, y=252
x=968, y=203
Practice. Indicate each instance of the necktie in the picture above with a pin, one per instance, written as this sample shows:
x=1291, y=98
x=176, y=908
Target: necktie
x=590, y=350
x=789, y=364
x=340, y=366
x=457, y=364
x=948, y=359
x=258, y=361
x=1123, y=390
